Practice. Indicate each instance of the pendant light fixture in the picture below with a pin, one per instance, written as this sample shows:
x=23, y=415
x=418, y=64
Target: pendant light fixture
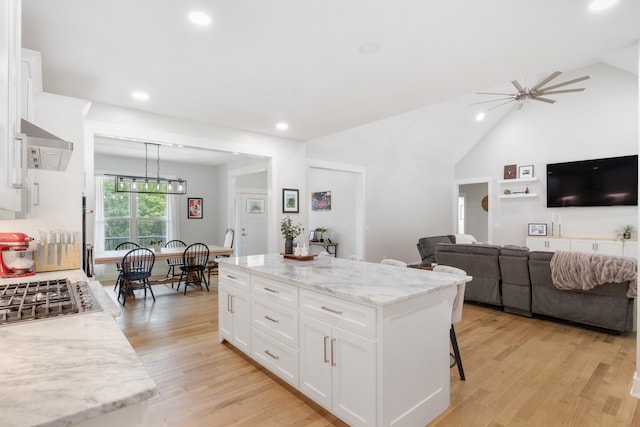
x=151, y=185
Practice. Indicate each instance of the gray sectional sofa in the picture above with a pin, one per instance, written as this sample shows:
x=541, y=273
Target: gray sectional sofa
x=519, y=281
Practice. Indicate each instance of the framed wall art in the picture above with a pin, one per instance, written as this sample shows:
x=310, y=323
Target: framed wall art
x=321, y=201
x=525, y=171
x=510, y=171
x=290, y=201
x=537, y=229
x=194, y=205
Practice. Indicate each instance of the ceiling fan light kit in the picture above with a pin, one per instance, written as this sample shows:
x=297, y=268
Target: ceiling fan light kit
x=537, y=93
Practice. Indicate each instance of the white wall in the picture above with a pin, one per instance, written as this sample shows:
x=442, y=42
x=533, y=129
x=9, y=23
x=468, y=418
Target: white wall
x=600, y=122
x=408, y=189
x=340, y=221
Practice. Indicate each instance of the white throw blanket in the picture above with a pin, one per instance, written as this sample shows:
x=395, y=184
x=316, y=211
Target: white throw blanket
x=585, y=271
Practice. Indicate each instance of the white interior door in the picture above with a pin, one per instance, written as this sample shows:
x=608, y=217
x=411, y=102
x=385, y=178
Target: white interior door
x=252, y=230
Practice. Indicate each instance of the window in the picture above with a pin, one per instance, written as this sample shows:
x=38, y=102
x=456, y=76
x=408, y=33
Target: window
x=135, y=217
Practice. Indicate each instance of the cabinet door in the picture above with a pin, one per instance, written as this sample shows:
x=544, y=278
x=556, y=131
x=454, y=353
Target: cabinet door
x=315, y=360
x=609, y=247
x=537, y=244
x=558, y=245
x=225, y=318
x=583, y=246
x=353, y=361
x=241, y=312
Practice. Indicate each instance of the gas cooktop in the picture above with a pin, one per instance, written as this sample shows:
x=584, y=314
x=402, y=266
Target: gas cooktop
x=44, y=299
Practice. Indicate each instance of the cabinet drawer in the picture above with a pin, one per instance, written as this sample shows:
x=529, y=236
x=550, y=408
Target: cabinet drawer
x=279, y=358
x=235, y=278
x=276, y=321
x=273, y=291
x=352, y=316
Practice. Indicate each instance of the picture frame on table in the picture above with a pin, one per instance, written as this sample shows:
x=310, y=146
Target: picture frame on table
x=525, y=171
x=194, y=208
x=290, y=200
x=537, y=229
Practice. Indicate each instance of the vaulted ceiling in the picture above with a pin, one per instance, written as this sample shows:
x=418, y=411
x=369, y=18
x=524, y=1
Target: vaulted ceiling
x=321, y=66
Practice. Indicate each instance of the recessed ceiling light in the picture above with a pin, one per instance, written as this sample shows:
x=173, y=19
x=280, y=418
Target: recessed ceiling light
x=200, y=18
x=480, y=117
x=369, y=48
x=140, y=95
x=282, y=126
x=597, y=5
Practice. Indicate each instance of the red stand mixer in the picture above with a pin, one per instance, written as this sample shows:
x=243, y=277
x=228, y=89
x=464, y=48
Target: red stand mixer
x=16, y=259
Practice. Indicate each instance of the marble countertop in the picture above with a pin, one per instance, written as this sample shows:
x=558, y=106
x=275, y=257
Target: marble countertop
x=64, y=370
x=367, y=282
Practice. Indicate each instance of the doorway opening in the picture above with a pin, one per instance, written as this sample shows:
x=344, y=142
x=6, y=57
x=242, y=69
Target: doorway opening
x=473, y=210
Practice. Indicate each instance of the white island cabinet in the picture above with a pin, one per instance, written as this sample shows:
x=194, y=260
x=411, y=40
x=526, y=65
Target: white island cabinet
x=368, y=342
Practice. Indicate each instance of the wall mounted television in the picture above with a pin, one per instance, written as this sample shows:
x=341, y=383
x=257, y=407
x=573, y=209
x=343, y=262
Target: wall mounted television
x=600, y=182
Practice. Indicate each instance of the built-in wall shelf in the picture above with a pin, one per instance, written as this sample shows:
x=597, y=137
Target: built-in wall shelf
x=517, y=196
x=517, y=180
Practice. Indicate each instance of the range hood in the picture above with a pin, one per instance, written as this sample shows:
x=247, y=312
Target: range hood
x=45, y=151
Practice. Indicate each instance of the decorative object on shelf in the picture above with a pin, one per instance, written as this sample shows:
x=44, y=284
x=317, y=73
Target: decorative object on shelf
x=194, y=205
x=535, y=93
x=525, y=171
x=510, y=171
x=485, y=203
x=625, y=232
x=290, y=200
x=255, y=205
x=321, y=201
x=507, y=191
x=537, y=229
x=146, y=184
x=320, y=234
x=289, y=231
x=305, y=250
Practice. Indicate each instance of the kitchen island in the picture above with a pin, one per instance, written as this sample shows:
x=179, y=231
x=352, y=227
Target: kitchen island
x=368, y=342
x=73, y=370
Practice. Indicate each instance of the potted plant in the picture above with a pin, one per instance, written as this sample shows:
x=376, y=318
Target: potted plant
x=625, y=232
x=319, y=231
x=156, y=244
x=289, y=231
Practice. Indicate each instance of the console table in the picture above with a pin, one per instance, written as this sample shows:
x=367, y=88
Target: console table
x=327, y=247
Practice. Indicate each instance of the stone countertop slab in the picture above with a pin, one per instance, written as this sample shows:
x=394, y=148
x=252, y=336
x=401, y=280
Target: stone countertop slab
x=367, y=282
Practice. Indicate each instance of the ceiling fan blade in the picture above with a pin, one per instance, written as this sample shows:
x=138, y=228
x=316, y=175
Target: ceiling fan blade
x=545, y=81
x=495, y=93
x=544, y=92
x=517, y=85
x=491, y=100
x=498, y=106
x=579, y=79
x=547, y=100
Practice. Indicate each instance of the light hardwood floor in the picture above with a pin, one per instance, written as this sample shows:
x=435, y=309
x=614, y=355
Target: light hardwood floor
x=520, y=371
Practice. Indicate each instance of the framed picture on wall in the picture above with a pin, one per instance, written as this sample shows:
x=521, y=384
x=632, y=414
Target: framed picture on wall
x=194, y=205
x=525, y=171
x=255, y=205
x=290, y=200
x=537, y=229
x=321, y=201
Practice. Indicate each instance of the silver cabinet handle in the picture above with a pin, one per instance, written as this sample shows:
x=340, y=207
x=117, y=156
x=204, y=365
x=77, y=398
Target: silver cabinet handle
x=36, y=194
x=272, y=319
x=324, y=307
x=230, y=302
x=333, y=355
x=324, y=350
x=273, y=291
x=273, y=356
x=232, y=277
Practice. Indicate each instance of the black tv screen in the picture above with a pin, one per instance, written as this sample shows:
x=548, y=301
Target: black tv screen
x=600, y=182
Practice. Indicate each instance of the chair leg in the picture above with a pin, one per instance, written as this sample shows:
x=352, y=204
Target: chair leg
x=147, y=285
x=179, y=282
x=204, y=279
x=456, y=352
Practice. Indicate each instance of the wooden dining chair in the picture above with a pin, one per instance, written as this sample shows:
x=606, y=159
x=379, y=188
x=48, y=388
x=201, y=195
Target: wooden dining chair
x=173, y=262
x=121, y=247
x=136, y=270
x=194, y=262
x=212, y=267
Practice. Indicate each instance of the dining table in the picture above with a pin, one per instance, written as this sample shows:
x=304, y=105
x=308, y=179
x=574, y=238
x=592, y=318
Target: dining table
x=113, y=257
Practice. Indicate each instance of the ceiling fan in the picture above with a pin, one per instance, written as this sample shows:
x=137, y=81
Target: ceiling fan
x=535, y=93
